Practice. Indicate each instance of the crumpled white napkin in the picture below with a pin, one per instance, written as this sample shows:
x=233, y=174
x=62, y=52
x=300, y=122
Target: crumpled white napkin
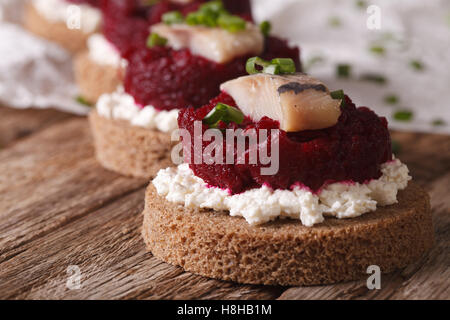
x=33, y=72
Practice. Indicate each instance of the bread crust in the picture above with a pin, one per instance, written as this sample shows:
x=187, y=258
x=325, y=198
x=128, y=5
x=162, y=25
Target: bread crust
x=285, y=252
x=130, y=150
x=94, y=79
x=72, y=40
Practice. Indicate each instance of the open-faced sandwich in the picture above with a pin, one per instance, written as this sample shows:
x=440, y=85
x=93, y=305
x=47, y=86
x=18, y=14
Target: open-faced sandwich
x=182, y=64
x=61, y=22
x=286, y=183
x=126, y=26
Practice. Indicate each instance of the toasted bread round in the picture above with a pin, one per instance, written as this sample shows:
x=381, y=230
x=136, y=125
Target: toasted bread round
x=73, y=40
x=285, y=252
x=130, y=150
x=94, y=79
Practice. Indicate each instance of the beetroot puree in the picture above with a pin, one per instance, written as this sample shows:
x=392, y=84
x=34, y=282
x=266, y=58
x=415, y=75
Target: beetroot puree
x=173, y=79
x=352, y=150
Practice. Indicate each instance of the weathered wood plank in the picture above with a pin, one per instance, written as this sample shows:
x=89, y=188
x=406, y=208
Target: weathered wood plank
x=107, y=246
x=50, y=179
x=17, y=123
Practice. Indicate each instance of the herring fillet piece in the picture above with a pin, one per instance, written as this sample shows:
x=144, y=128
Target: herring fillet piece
x=215, y=44
x=298, y=101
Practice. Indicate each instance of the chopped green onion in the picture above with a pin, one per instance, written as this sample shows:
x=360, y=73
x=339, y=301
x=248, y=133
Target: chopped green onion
x=276, y=66
x=231, y=23
x=338, y=94
x=361, y=4
x=83, y=101
x=416, y=64
x=373, y=77
x=156, y=40
x=377, y=50
x=438, y=122
x=272, y=69
x=334, y=22
x=172, y=17
x=225, y=113
x=403, y=115
x=213, y=6
x=265, y=28
x=396, y=147
x=343, y=70
x=213, y=14
x=391, y=99
x=250, y=67
x=215, y=115
x=192, y=19
x=286, y=65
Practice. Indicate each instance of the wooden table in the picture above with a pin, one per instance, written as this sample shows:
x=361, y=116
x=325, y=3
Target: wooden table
x=59, y=208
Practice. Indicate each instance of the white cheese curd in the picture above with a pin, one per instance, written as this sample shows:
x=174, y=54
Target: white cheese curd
x=58, y=11
x=215, y=44
x=121, y=105
x=341, y=200
x=102, y=52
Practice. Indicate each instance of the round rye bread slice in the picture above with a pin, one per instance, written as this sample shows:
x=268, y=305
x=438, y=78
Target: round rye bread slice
x=130, y=150
x=284, y=252
x=94, y=79
x=74, y=40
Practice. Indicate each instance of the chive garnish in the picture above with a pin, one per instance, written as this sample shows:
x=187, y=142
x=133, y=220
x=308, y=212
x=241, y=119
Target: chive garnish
x=83, y=101
x=361, y=4
x=373, y=77
x=213, y=14
x=438, y=122
x=416, y=64
x=265, y=28
x=338, y=95
x=395, y=147
x=172, y=17
x=286, y=65
x=403, y=115
x=155, y=39
x=275, y=66
x=225, y=113
x=391, y=99
x=231, y=23
x=334, y=21
x=343, y=70
x=377, y=50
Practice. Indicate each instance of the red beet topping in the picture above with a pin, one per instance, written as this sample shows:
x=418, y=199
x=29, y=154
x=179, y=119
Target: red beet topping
x=352, y=150
x=169, y=79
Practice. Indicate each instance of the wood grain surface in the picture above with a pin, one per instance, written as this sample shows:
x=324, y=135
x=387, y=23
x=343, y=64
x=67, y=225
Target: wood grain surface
x=59, y=208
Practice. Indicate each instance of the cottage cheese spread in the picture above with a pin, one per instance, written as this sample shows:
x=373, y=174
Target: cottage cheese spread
x=103, y=52
x=341, y=200
x=59, y=11
x=120, y=105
